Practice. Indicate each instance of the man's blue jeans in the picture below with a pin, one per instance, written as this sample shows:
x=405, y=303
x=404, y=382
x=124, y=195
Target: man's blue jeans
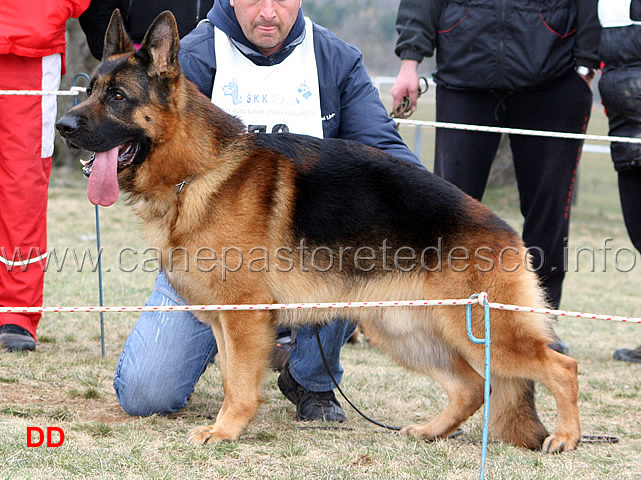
x=167, y=352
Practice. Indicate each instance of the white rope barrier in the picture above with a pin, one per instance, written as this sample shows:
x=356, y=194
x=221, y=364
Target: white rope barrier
x=72, y=91
x=242, y=307
x=76, y=90
x=312, y=306
x=517, y=131
x=563, y=313
x=482, y=298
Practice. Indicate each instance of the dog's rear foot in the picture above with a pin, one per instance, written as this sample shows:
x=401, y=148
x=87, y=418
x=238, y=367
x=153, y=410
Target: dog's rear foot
x=558, y=443
x=208, y=434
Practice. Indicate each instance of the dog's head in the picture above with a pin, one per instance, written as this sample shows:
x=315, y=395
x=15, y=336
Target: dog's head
x=129, y=98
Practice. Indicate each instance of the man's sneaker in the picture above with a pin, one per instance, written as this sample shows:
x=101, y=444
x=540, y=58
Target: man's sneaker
x=628, y=354
x=310, y=405
x=283, y=346
x=14, y=338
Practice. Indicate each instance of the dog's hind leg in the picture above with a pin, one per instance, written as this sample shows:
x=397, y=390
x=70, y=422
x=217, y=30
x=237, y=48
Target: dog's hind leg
x=531, y=358
x=513, y=416
x=464, y=388
x=244, y=340
x=558, y=373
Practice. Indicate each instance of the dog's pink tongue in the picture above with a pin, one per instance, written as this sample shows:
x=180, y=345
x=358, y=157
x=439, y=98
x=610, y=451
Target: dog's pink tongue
x=103, y=181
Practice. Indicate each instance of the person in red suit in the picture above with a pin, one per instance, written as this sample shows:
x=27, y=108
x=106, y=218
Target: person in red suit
x=32, y=51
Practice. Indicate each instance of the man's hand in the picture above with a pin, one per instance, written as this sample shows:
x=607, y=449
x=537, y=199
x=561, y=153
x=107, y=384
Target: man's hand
x=587, y=74
x=406, y=85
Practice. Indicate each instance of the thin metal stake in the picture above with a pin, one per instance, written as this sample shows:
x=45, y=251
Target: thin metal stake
x=486, y=341
x=102, y=317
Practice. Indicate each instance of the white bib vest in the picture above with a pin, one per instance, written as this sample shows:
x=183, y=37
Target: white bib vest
x=615, y=14
x=271, y=99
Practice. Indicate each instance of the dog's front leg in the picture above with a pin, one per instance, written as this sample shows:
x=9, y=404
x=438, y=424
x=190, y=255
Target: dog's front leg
x=244, y=342
x=464, y=388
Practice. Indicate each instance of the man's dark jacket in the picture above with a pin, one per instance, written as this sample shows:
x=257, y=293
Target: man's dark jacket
x=499, y=44
x=351, y=108
x=137, y=16
x=621, y=46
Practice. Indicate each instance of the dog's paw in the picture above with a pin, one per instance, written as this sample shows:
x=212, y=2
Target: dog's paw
x=560, y=443
x=207, y=434
x=419, y=432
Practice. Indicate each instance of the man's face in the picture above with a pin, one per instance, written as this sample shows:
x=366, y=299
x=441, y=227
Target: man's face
x=266, y=23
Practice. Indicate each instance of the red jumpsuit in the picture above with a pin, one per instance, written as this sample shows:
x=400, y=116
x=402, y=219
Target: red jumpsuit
x=32, y=47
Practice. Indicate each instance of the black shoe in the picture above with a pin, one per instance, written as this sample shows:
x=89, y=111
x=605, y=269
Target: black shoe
x=283, y=346
x=559, y=345
x=14, y=338
x=310, y=405
x=628, y=354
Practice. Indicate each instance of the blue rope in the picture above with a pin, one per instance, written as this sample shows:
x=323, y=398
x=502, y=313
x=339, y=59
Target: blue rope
x=486, y=341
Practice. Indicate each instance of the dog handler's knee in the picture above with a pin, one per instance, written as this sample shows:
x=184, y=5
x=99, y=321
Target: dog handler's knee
x=140, y=397
x=146, y=388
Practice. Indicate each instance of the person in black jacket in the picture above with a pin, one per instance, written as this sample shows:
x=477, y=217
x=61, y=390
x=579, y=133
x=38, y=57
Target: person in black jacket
x=137, y=16
x=620, y=88
x=518, y=64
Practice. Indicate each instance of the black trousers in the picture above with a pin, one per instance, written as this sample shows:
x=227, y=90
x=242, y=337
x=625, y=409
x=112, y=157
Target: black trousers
x=545, y=167
x=621, y=95
x=630, y=194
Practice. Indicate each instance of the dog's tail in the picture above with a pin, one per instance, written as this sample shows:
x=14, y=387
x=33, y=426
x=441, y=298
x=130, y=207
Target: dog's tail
x=513, y=416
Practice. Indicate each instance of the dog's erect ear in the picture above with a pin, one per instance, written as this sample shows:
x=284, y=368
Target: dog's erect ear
x=116, y=40
x=161, y=44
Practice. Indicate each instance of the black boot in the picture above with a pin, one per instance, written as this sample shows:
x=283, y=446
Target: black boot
x=14, y=338
x=628, y=354
x=310, y=405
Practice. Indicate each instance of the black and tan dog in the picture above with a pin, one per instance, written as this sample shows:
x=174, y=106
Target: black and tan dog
x=251, y=218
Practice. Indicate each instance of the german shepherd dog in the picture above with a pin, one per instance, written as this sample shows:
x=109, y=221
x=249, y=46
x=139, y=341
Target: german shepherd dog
x=285, y=218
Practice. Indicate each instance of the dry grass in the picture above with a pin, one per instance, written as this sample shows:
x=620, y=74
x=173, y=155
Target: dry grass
x=66, y=383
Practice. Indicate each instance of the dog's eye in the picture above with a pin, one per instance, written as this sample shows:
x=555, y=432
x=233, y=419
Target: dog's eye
x=118, y=96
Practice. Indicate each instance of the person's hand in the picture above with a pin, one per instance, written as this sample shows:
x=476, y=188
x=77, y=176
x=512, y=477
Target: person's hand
x=588, y=77
x=406, y=85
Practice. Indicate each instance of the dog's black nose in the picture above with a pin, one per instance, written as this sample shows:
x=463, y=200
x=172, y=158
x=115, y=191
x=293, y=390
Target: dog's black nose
x=67, y=125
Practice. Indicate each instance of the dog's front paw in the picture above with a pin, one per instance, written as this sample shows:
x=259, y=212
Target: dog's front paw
x=207, y=434
x=420, y=432
x=558, y=443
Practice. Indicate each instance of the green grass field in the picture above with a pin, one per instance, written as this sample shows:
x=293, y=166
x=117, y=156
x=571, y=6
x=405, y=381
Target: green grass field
x=66, y=383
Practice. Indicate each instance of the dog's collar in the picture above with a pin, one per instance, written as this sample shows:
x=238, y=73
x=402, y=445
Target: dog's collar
x=179, y=186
